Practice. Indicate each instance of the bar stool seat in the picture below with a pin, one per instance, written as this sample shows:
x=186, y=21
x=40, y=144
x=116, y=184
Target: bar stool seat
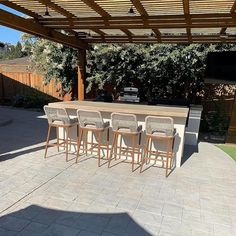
x=59, y=118
x=125, y=125
x=71, y=122
x=93, y=126
x=92, y=121
x=159, y=129
x=125, y=130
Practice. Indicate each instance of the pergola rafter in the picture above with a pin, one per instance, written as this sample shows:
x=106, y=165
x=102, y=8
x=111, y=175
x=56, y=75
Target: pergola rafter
x=60, y=10
x=232, y=11
x=19, y=23
x=138, y=5
x=92, y=4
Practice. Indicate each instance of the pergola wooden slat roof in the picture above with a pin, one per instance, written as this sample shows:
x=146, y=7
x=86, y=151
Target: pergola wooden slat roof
x=80, y=22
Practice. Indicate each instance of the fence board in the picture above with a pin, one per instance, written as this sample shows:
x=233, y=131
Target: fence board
x=18, y=80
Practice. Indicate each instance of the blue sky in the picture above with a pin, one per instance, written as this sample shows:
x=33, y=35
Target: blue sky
x=9, y=35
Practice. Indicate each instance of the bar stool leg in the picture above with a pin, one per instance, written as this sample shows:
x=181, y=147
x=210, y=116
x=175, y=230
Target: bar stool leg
x=99, y=148
x=139, y=144
x=79, y=143
x=70, y=145
x=92, y=134
x=167, y=156
x=116, y=145
x=133, y=144
x=57, y=134
x=120, y=148
x=67, y=137
x=47, y=142
x=171, y=157
x=147, y=148
x=107, y=143
x=167, y=162
x=112, y=148
x=144, y=153
x=86, y=142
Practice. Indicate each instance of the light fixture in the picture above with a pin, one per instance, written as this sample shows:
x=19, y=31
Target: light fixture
x=131, y=11
x=152, y=35
x=47, y=12
x=89, y=36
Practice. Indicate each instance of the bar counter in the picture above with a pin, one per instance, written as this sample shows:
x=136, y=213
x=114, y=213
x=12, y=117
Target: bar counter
x=179, y=114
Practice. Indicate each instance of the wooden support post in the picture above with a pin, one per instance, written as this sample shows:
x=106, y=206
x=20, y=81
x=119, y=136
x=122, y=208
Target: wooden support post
x=231, y=135
x=2, y=96
x=81, y=74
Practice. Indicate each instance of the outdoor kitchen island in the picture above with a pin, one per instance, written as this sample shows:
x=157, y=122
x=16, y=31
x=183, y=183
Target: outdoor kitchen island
x=179, y=114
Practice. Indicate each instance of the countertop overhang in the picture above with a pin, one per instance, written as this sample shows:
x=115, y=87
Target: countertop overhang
x=138, y=109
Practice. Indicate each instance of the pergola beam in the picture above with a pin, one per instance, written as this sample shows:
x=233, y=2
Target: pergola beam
x=164, y=36
x=101, y=33
x=232, y=12
x=152, y=26
x=93, y=5
x=187, y=18
x=98, y=31
x=19, y=8
x=158, y=17
x=186, y=7
x=233, y=8
x=61, y=11
x=128, y=33
x=138, y=5
x=22, y=24
x=96, y=21
x=158, y=34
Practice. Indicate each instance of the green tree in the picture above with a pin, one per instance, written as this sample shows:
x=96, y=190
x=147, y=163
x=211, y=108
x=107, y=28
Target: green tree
x=159, y=70
x=52, y=60
x=14, y=51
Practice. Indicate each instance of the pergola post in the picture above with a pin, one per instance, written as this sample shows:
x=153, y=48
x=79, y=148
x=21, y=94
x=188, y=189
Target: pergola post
x=81, y=73
x=231, y=136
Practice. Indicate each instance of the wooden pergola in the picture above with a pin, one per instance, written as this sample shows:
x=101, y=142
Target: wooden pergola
x=77, y=23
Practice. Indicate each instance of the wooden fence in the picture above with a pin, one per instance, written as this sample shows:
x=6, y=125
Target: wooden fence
x=18, y=80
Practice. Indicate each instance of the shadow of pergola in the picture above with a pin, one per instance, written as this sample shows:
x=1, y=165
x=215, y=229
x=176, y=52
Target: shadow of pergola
x=36, y=220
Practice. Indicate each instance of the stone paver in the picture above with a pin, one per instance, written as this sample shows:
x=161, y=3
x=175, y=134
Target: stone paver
x=53, y=197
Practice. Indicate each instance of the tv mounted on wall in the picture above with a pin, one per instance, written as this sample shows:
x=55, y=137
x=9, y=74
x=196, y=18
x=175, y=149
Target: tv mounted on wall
x=221, y=67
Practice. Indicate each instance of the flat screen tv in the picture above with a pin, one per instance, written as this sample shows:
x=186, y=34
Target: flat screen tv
x=221, y=67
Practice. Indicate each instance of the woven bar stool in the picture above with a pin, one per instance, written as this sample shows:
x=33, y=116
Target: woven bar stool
x=91, y=121
x=125, y=125
x=58, y=118
x=159, y=129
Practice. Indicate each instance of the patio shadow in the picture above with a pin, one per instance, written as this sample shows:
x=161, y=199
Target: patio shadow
x=188, y=152
x=26, y=133
x=36, y=220
x=8, y=156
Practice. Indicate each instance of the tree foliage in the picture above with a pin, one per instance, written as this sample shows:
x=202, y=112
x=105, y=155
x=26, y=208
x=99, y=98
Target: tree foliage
x=158, y=70
x=173, y=71
x=52, y=60
x=13, y=52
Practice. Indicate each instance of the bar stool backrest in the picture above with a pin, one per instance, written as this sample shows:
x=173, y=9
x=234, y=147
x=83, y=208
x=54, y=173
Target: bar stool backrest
x=121, y=121
x=160, y=126
x=57, y=114
x=88, y=118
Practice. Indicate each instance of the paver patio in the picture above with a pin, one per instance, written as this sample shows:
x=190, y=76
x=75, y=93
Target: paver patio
x=52, y=197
